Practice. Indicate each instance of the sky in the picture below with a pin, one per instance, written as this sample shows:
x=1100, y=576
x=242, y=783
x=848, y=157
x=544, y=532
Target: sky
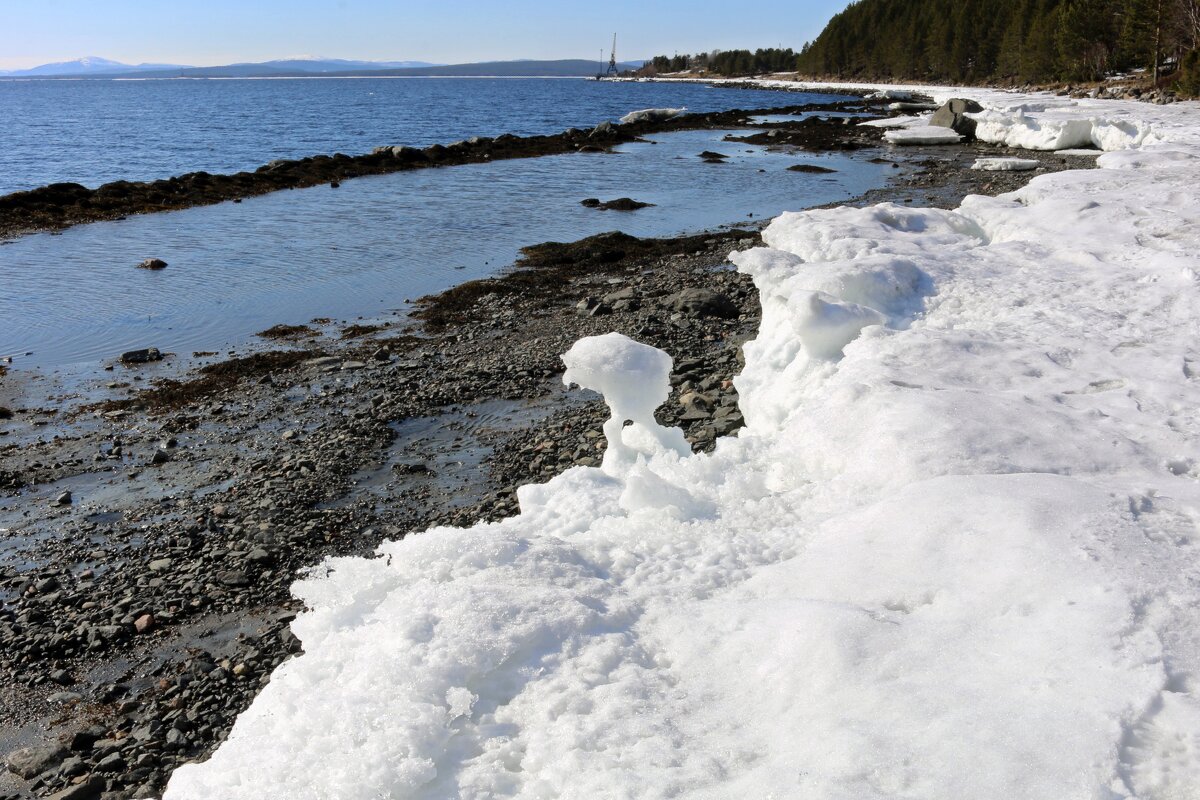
x=213, y=32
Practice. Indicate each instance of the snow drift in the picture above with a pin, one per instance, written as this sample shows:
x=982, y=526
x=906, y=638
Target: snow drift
x=1005, y=164
x=953, y=554
x=651, y=115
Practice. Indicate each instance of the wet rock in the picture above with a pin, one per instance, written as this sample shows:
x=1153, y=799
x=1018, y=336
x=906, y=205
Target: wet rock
x=153, y=263
x=810, y=168
x=620, y=204
x=603, y=129
x=144, y=356
x=711, y=157
x=63, y=499
x=160, y=457
x=30, y=761
x=5, y=413
x=702, y=303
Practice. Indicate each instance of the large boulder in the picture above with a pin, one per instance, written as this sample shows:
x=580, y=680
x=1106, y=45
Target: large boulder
x=141, y=356
x=953, y=115
x=30, y=761
x=702, y=303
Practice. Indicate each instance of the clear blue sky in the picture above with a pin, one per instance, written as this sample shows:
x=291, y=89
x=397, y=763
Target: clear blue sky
x=209, y=32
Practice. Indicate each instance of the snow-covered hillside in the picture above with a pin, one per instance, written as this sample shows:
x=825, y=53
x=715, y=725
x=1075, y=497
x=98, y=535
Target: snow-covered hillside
x=955, y=553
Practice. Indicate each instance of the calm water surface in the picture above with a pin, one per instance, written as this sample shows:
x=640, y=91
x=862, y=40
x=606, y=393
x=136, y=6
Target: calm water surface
x=92, y=132
x=365, y=248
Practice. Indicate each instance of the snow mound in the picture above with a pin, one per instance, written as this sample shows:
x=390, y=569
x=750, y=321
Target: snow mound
x=651, y=115
x=930, y=134
x=890, y=94
x=1005, y=164
x=635, y=379
x=1058, y=130
x=953, y=553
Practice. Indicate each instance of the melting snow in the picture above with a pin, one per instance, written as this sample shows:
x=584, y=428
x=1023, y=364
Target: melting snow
x=1005, y=164
x=953, y=554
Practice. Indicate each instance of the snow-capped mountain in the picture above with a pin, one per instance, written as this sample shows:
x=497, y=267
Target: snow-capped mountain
x=94, y=66
x=89, y=65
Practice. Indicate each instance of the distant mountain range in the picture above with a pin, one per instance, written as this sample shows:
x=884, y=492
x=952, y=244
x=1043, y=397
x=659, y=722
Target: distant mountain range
x=91, y=65
x=95, y=67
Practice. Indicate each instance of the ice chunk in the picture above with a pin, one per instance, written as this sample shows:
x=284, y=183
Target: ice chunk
x=635, y=379
x=651, y=115
x=1005, y=164
x=928, y=135
x=893, y=122
x=1055, y=130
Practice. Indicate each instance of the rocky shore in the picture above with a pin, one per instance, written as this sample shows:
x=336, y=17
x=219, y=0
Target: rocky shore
x=163, y=513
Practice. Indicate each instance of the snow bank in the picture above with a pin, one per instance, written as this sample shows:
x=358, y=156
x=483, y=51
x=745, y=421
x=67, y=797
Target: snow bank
x=1005, y=164
x=651, y=115
x=954, y=553
x=1057, y=131
x=929, y=134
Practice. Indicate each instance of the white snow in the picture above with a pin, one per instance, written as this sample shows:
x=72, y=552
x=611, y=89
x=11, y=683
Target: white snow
x=651, y=115
x=929, y=134
x=894, y=122
x=1005, y=164
x=953, y=555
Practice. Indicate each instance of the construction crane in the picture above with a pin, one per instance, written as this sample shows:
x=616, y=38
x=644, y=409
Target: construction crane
x=612, y=60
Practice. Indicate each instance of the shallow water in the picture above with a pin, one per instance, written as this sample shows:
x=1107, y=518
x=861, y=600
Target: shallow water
x=365, y=248
x=92, y=132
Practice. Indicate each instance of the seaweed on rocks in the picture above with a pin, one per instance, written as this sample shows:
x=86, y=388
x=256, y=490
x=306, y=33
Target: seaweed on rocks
x=171, y=395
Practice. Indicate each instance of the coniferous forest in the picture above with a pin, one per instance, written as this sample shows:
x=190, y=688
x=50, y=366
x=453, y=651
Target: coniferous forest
x=978, y=41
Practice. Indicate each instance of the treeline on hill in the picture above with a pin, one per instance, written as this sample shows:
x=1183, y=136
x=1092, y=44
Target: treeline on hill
x=729, y=62
x=994, y=41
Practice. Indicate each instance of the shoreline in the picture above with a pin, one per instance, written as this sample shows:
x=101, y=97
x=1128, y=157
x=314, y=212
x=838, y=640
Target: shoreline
x=368, y=438
x=61, y=205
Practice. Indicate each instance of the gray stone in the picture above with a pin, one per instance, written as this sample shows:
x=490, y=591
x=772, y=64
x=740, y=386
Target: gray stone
x=141, y=356
x=953, y=115
x=30, y=761
x=234, y=578
x=89, y=789
x=111, y=763
x=64, y=499
x=702, y=303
